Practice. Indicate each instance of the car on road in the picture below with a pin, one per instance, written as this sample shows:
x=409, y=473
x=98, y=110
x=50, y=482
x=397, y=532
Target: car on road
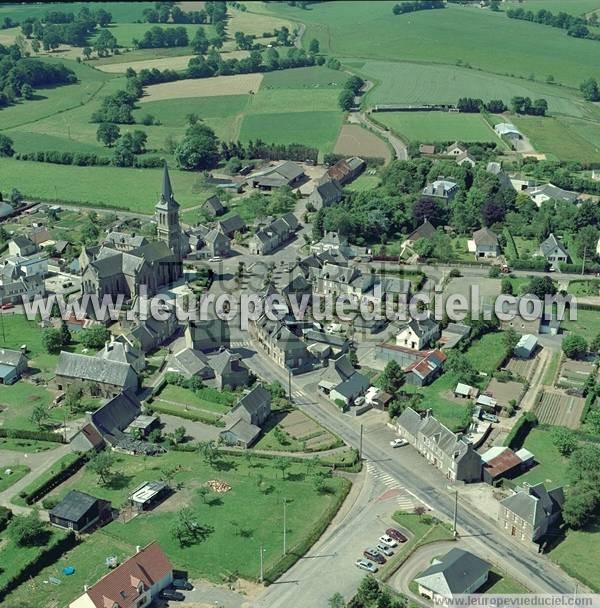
x=374, y=555
x=398, y=443
x=385, y=550
x=7, y=306
x=365, y=564
x=384, y=539
x=179, y=583
x=489, y=417
x=215, y=259
x=396, y=535
x=172, y=595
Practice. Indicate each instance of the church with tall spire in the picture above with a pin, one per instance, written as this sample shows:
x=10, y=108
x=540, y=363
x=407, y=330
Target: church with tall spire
x=168, y=227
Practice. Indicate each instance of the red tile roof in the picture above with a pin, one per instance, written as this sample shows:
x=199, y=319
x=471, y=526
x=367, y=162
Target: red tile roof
x=119, y=587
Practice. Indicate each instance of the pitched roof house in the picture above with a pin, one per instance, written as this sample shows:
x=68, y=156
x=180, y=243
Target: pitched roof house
x=456, y=573
x=325, y=194
x=133, y=584
x=541, y=194
x=244, y=421
x=12, y=364
x=425, y=231
x=115, y=415
x=417, y=335
x=207, y=335
x=443, y=188
x=485, y=243
x=425, y=371
x=78, y=511
x=189, y=363
x=124, y=352
x=234, y=223
x=448, y=451
x=553, y=250
x=21, y=245
x=531, y=512
x=100, y=376
x=212, y=206
x=341, y=382
x=230, y=370
x=346, y=170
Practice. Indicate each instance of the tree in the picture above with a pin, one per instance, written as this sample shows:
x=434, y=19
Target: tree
x=368, y=591
x=95, y=337
x=595, y=344
x=198, y=149
x=65, y=334
x=313, y=46
x=590, y=90
x=585, y=242
x=39, y=415
x=510, y=338
x=564, y=439
x=579, y=506
x=593, y=419
x=506, y=286
x=336, y=601
x=105, y=43
x=6, y=146
x=35, y=45
x=346, y=100
x=541, y=287
x=283, y=464
x=458, y=364
x=107, y=133
x=574, y=346
x=52, y=341
x=15, y=198
x=208, y=451
x=28, y=530
x=73, y=396
x=27, y=91
x=179, y=434
x=102, y=464
x=203, y=492
x=188, y=530
x=392, y=377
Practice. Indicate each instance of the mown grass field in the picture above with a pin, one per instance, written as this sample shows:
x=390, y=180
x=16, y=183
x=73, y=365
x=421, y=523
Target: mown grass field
x=551, y=467
x=462, y=33
x=317, y=77
x=438, y=126
x=486, y=353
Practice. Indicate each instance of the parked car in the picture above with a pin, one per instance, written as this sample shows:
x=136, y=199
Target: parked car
x=7, y=306
x=172, y=595
x=385, y=550
x=396, y=535
x=374, y=556
x=365, y=564
x=398, y=443
x=216, y=258
x=179, y=583
x=489, y=417
x=388, y=540
x=359, y=401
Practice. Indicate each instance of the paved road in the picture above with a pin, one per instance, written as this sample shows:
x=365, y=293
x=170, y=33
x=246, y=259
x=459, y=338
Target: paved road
x=423, y=481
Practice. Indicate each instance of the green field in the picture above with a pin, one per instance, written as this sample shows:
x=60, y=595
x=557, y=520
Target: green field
x=369, y=30
x=18, y=472
x=239, y=516
x=562, y=138
x=438, y=126
x=587, y=324
x=319, y=129
x=551, y=467
x=414, y=83
x=486, y=353
x=121, y=11
x=126, y=33
x=303, y=78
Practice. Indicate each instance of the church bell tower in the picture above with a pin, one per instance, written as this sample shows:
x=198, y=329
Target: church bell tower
x=167, y=217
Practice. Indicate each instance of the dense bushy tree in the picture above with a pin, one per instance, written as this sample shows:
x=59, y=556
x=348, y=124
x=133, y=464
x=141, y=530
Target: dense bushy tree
x=574, y=346
x=198, y=149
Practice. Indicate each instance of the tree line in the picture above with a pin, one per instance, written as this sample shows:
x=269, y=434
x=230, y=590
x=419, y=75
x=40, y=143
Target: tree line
x=518, y=105
x=417, y=5
x=574, y=25
x=352, y=89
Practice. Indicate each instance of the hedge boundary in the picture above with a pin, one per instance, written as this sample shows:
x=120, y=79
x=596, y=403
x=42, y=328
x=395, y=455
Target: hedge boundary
x=522, y=428
x=186, y=415
x=33, y=435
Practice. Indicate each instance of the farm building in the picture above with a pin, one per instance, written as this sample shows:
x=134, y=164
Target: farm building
x=458, y=572
x=465, y=391
x=346, y=170
x=133, y=584
x=424, y=372
x=525, y=346
x=212, y=206
x=502, y=463
x=87, y=439
x=287, y=173
x=325, y=194
x=246, y=418
x=148, y=494
x=453, y=334
x=508, y=131
x=12, y=364
x=544, y=193
x=78, y=511
x=234, y=223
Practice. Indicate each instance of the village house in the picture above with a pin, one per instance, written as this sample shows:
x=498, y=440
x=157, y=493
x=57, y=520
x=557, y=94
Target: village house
x=448, y=451
x=15, y=266
x=212, y=207
x=244, y=421
x=443, y=190
x=546, y=192
x=136, y=583
x=425, y=371
x=465, y=159
x=124, y=351
x=324, y=194
x=500, y=462
x=425, y=231
x=148, y=335
x=346, y=170
x=97, y=376
x=207, y=335
x=217, y=243
x=531, y=513
x=484, y=244
x=554, y=251
x=13, y=363
x=21, y=246
x=232, y=225
x=188, y=362
x=418, y=335
x=272, y=236
x=230, y=371
x=121, y=241
x=341, y=382
x=457, y=572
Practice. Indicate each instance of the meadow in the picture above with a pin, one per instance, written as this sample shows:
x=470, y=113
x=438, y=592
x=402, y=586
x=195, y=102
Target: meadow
x=438, y=126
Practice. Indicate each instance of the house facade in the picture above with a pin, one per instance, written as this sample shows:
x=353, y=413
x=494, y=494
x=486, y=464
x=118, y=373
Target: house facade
x=553, y=250
x=486, y=244
x=418, y=335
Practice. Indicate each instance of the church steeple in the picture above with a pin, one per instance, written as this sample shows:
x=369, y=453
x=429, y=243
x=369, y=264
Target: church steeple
x=167, y=217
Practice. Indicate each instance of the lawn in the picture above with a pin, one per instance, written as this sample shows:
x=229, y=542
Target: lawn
x=179, y=394
x=287, y=100
x=551, y=467
x=363, y=183
x=562, y=138
x=486, y=353
x=500, y=584
x=369, y=30
x=318, y=129
x=129, y=189
x=584, y=288
x=249, y=515
x=18, y=472
x=587, y=323
x=573, y=555
x=438, y=126
x=316, y=77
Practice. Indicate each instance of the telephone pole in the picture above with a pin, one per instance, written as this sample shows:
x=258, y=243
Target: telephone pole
x=289, y=384
x=454, y=530
x=360, y=450
x=261, y=565
x=284, y=526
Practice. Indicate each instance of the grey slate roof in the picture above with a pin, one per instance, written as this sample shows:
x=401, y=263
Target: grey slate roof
x=534, y=504
x=10, y=357
x=454, y=573
x=484, y=236
x=253, y=401
x=550, y=244
x=189, y=361
x=122, y=238
x=84, y=367
x=425, y=230
x=22, y=241
x=116, y=415
x=74, y=506
x=552, y=191
x=232, y=224
x=224, y=360
x=329, y=191
x=167, y=200
x=243, y=431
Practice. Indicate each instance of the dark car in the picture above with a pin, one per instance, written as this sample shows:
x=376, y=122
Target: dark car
x=179, y=583
x=396, y=535
x=171, y=594
x=374, y=556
